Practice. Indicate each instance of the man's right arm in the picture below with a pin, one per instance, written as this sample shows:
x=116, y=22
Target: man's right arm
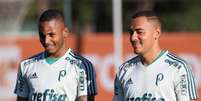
x=118, y=92
x=21, y=87
x=22, y=99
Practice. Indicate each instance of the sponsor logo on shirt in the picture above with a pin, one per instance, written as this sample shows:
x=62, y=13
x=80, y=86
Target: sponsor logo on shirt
x=20, y=82
x=82, y=80
x=33, y=76
x=72, y=61
x=48, y=95
x=145, y=97
x=173, y=63
x=129, y=82
x=183, y=85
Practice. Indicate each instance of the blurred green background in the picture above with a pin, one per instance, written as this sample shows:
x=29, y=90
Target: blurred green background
x=19, y=17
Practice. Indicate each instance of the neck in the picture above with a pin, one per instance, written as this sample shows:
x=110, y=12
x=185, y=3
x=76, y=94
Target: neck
x=150, y=56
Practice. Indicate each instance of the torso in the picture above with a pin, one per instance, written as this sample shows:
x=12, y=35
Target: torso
x=152, y=82
x=52, y=82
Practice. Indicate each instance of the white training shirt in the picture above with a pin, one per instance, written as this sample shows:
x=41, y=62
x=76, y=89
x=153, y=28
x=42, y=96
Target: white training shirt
x=168, y=78
x=64, y=80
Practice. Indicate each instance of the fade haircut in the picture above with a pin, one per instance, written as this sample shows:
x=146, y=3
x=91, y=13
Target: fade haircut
x=51, y=14
x=150, y=15
x=48, y=15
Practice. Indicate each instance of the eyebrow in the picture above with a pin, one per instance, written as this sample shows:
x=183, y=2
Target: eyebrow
x=50, y=33
x=138, y=29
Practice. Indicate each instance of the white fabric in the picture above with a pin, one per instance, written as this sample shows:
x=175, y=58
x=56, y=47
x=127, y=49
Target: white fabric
x=167, y=79
x=63, y=80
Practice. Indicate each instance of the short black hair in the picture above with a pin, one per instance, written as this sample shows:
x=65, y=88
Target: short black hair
x=51, y=14
x=151, y=16
x=146, y=13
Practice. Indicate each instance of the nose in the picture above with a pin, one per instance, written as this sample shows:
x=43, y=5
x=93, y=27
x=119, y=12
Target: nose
x=47, y=40
x=134, y=36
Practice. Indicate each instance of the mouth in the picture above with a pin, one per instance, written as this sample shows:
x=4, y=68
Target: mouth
x=49, y=47
x=136, y=44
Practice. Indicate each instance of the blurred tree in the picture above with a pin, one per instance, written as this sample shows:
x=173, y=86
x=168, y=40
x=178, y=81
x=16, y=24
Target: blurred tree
x=180, y=15
x=83, y=16
x=96, y=15
x=83, y=19
x=176, y=15
x=103, y=15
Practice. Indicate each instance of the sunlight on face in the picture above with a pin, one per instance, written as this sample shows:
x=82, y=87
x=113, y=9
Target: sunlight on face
x=52, y=36
x=143, y=35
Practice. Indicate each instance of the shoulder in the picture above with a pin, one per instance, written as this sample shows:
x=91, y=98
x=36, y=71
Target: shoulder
x=129, y=64
x=85, y=62
x=32, y=59
x=178, y=62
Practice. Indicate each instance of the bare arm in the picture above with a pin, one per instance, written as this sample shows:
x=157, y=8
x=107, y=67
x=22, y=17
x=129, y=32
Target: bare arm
x=90, y=98
x=82, y=98
x=196, y=99
x=22, y=99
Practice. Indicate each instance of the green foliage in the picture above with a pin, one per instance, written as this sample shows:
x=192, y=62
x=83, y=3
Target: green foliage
x=176, y=15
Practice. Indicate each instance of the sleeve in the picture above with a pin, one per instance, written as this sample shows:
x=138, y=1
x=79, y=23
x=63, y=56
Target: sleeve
x=118, y=91
x=91, y=79
x=21, y=87
x=185, y=87
x=82, y=83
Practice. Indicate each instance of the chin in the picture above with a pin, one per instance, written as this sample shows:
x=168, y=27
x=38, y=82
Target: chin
x=137, y=51
x=50, y=51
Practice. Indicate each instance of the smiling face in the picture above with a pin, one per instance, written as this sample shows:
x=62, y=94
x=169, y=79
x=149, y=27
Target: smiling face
x=52, y=34
x=144, y=35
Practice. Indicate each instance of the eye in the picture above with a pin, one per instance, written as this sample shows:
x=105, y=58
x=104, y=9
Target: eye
x=41, y=35
x=130, y=31
x=51, y=34
x=140, y=32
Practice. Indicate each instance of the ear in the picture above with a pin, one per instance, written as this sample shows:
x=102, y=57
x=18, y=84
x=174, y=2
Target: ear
x=157, y=33
x=66, y=32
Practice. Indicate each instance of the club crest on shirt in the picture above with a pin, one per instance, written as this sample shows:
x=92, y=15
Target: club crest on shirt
x=159, y=78
x=62, y=74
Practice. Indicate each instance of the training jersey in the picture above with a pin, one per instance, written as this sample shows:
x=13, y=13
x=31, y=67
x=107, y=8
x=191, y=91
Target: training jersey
x=64, y=80
x=168, y=78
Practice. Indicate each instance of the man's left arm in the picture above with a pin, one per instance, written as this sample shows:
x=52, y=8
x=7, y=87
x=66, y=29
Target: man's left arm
x=90, y=97
x=82, y=98
x=185, y=87
x=91, y=81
